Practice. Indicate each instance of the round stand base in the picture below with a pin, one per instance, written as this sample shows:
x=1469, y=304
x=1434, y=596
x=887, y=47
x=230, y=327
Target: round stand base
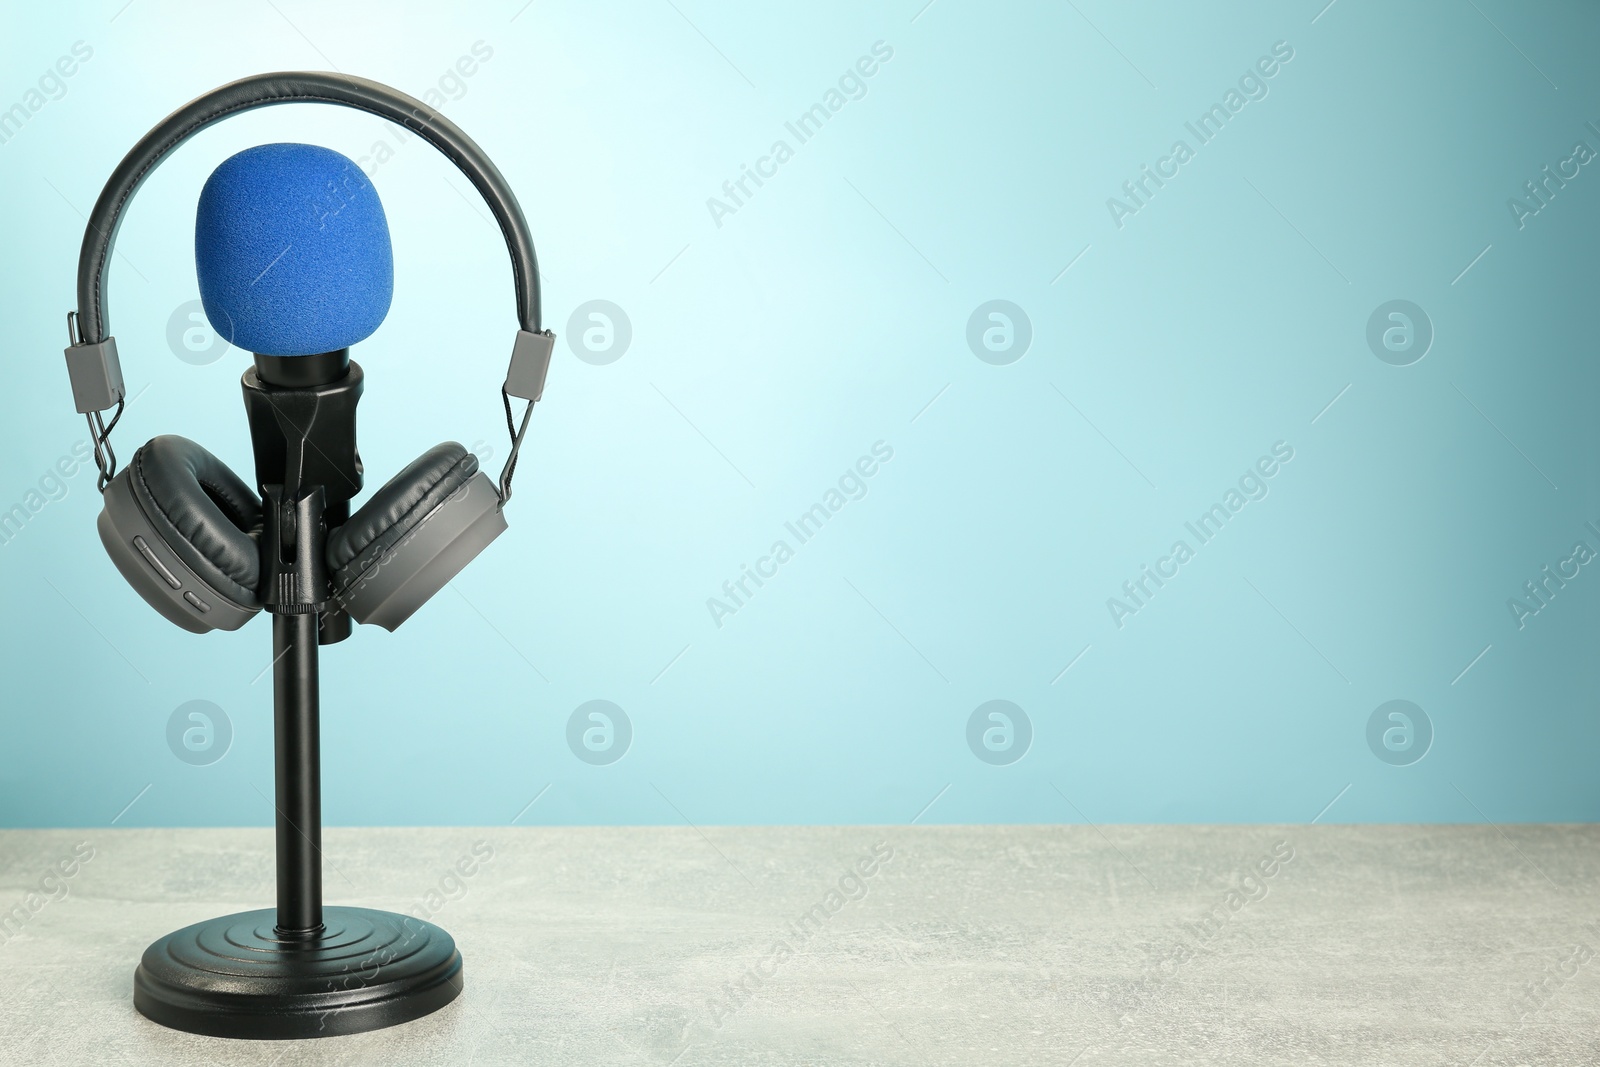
x=236, y=976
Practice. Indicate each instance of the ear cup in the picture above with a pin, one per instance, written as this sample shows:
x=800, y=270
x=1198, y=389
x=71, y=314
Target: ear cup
x=413, y=536
x=405, y=500
x=183, y=530
x=203, y=511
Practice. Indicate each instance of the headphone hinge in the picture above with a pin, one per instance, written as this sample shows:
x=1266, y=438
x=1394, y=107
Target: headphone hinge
x=96, y=374
x=530, y=365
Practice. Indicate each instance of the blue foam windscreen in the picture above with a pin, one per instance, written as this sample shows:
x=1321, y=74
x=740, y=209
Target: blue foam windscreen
x=292, y=250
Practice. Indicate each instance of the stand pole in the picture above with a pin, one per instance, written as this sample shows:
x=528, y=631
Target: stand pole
x=299, y=774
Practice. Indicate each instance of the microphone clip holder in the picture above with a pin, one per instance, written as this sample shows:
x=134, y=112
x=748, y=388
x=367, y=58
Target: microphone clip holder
x=293, y=536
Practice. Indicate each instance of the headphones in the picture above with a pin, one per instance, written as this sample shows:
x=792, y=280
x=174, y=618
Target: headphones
x=184, y=529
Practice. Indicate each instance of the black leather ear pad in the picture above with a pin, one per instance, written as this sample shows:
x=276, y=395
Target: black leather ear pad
x=404, y=501
x=204, y=512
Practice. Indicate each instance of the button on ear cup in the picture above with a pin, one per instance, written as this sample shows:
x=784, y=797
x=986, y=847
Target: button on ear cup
x=203, y=512
x=413, y=536
x=404, y=501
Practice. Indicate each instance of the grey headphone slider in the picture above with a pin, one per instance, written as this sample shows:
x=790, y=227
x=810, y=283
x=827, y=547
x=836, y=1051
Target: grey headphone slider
x=96, y=375
x=530, y=362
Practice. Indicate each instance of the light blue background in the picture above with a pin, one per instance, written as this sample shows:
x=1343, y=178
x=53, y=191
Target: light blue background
x=772, y=351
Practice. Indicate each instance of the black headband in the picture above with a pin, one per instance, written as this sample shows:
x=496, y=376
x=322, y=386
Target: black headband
x=290, y=87
x=92, y=362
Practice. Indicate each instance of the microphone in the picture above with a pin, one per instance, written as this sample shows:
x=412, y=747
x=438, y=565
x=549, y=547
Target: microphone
x=292, y=251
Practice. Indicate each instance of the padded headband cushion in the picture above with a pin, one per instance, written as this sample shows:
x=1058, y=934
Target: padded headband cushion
x=204, y=511
x=396, y=509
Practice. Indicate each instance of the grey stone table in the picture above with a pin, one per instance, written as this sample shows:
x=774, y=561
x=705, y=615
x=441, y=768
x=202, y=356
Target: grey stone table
x=861, y=945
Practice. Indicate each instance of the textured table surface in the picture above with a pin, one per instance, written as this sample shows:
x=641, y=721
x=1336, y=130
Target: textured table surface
x=964, y=945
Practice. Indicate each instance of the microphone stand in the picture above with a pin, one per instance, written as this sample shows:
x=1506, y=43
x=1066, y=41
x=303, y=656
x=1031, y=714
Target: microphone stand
x=303, y=970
